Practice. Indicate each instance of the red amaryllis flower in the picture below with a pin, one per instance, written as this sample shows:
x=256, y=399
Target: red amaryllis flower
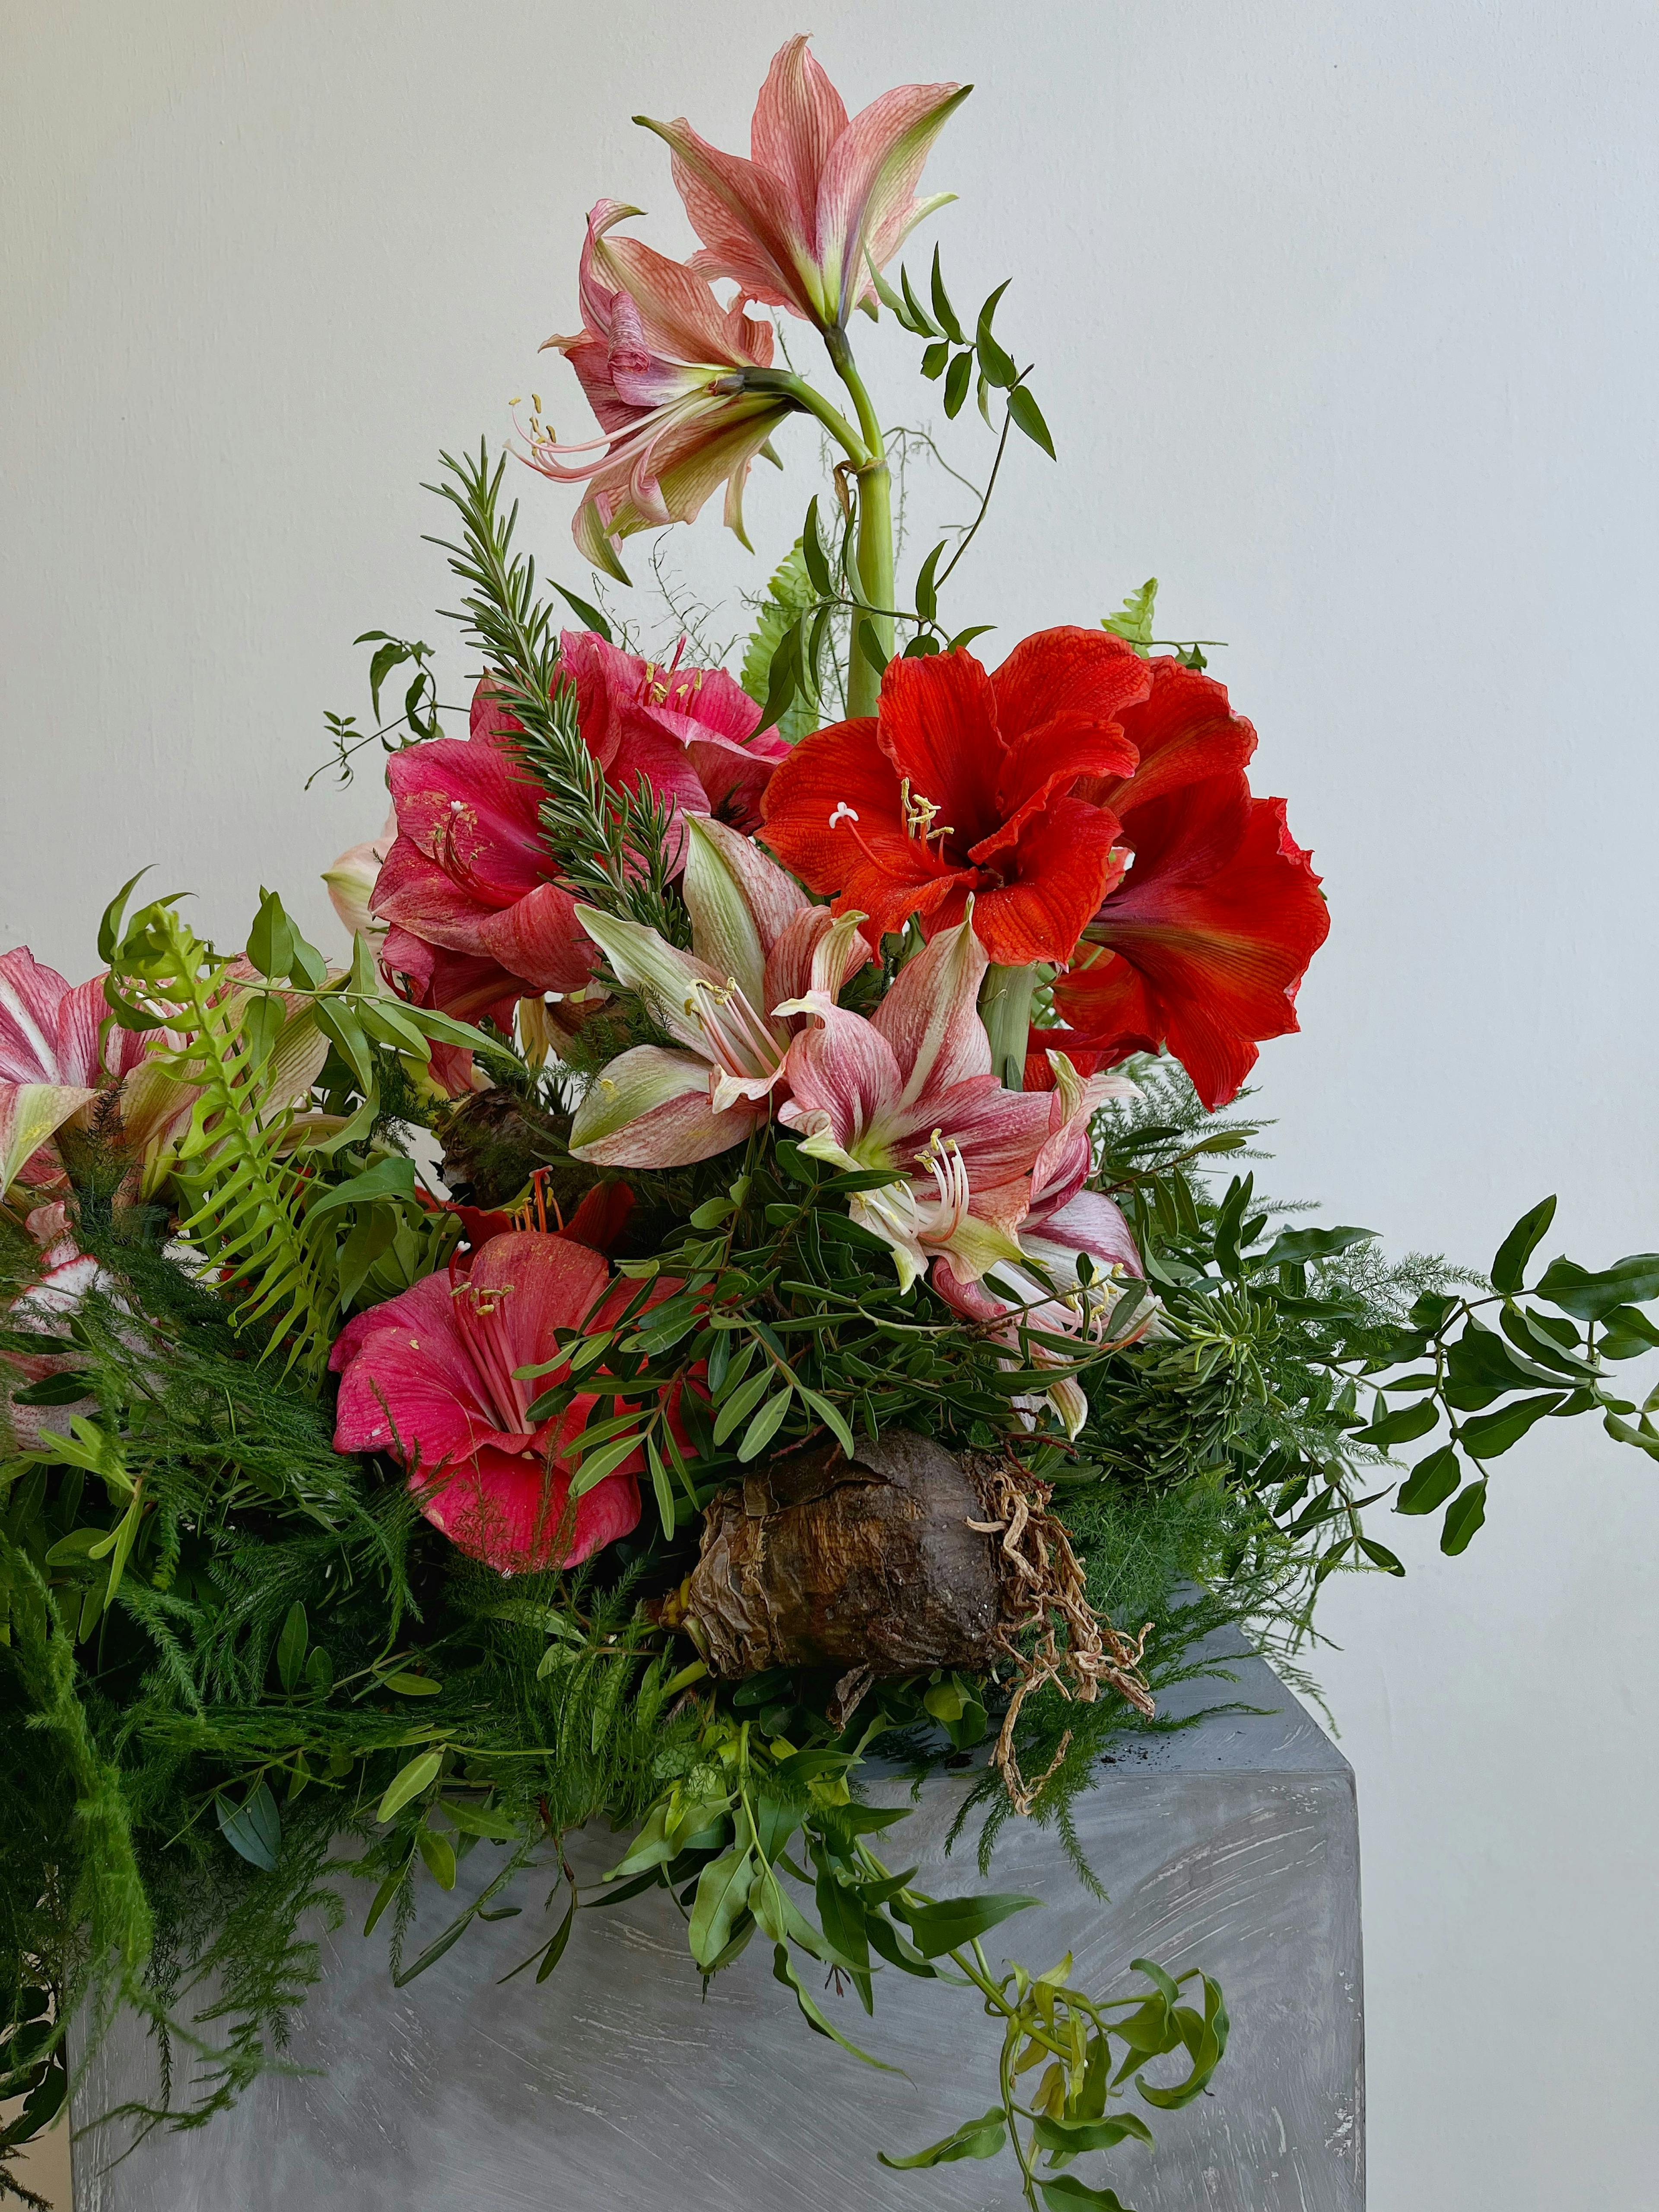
x=1200, y=947
x=475, y=924
x=793, y=226
x=960, y=786
x=664, y=368
x=430, y=1378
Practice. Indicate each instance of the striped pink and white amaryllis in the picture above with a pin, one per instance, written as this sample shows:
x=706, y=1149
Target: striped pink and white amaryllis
x=823, y=195
x=664, y=368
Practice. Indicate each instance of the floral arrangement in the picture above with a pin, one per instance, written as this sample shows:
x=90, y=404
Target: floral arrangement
x=729, y=1277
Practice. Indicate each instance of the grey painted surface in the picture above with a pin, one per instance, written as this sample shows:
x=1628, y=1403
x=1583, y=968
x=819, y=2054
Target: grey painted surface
x=1234, y=1846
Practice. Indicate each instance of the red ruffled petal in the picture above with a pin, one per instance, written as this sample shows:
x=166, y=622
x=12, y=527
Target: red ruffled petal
x=1063, y=863
x=938, y=726
x=1206, y=940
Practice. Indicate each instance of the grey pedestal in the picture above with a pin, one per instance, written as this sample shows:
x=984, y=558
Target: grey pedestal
x=1233, y=1846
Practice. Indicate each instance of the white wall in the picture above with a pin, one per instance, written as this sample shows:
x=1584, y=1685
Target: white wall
x=1345, y=320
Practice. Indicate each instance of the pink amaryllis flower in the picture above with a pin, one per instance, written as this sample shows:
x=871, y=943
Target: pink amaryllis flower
x=473, y=919
x=67, y=1274
x=822, y=195
x=694, y=733
x=431, y=1378
x=55, y=1066
x=912, y=1090
x=666, y=371
x=1064, y=1223
x=757, y=942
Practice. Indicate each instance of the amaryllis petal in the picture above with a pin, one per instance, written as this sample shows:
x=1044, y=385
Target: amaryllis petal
x=30, y=995
x=1184, y=733
x=799, y=117
x=1088, y=1223
x=739, y=902
x=997, y=1131
x=843, y=1074
x=668, y=979
x=514, y=1513
x=1062, y=867
x=1206, y=940
x=930, y=1018
x=537, y=938
x=867, y=203
x=816, y=951
x=794, y=225
x=653, y=1108
x=30, y=1114
x=352, y=879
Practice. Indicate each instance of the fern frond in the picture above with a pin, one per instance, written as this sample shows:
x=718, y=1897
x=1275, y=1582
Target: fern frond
x=245, y=1202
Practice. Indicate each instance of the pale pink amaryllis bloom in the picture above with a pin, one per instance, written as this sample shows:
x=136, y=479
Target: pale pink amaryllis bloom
x=352, y=878
x=757, y=942
x=55, y=1066
x=1041, y=1286
x=821, y=196
x=433, y=1377
x=666, y=369
x=912, y=1090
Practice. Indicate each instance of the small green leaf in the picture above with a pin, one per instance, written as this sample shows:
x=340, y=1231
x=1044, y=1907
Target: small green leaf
x=1466, y=1513
x=291, y=1645
x=926, y=592
x=405, y=1685
x=1073, y=2137
x=934, y=360
x=994, y=364
x=955, y=383
x=584, y=613
x=765, y=1425
x=473, y=1821
x=1067, y=2194
x=1627, y=1334
x=384, y=1895
x=440, y=1855
x=944, y=313
x=1025, y=415
x=741, y=1403
x=936, y=1929
x=1401, y=1426
x=1489, y=1434
x=722, y=1894
x=414, y=1776
x=597, y=1465
x=871, y=646
x=1429, y=1483
x=981, y=2138
x=1588, y=1296
x=1509, y=1269
x=271, y=940
x=254, y=1828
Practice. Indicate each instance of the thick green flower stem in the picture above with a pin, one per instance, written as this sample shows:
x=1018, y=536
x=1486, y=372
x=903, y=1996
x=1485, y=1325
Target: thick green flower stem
x=874, y=547
x=1005, y=1007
